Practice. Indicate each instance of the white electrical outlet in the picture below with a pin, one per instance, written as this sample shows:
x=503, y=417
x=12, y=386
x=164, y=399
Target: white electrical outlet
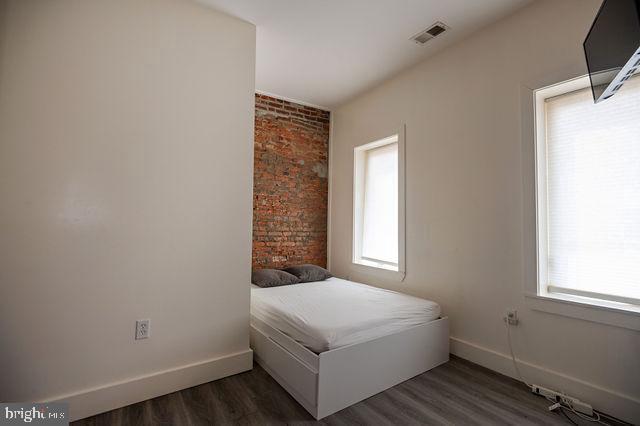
x=143, y=329
x=511, y=317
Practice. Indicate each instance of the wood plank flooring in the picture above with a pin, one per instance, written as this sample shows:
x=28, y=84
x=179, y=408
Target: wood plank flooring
x=456, y=393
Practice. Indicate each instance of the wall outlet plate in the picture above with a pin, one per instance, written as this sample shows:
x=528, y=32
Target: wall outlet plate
x=511, y=317
x=143, y=329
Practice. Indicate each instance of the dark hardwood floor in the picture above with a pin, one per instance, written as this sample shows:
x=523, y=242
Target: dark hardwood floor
x=458, y=393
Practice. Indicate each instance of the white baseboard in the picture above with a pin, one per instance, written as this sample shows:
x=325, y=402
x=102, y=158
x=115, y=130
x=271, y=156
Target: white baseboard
x=115, y=395
x=608, y=401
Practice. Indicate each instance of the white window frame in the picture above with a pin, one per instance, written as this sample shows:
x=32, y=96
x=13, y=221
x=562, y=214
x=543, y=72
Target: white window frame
x=358, y=204
x=572, y=303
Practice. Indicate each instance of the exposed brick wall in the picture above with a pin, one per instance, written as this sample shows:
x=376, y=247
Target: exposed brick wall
x=289, y=184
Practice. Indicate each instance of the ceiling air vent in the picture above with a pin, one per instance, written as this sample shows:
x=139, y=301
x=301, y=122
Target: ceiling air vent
x=431, y=32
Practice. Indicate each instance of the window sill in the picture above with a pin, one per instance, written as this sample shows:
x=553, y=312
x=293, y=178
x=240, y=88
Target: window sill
x=377, y=265
x=377, y=270
x=586, y=309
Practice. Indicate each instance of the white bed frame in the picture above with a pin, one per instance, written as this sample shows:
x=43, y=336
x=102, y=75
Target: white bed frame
x=330, y=381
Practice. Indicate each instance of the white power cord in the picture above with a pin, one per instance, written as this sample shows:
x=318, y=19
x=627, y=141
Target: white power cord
x=513, y=357
x=564, y=406
x=595, y=419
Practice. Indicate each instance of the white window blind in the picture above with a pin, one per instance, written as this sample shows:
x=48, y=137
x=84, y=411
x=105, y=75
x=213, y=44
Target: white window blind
x=593, y=194
x=380, y=212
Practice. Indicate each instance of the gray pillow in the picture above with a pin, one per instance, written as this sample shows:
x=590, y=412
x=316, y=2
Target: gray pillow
x=309, y=273
x=272, y=278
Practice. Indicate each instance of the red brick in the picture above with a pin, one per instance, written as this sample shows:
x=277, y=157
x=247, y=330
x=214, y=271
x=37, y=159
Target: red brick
x=290, y=196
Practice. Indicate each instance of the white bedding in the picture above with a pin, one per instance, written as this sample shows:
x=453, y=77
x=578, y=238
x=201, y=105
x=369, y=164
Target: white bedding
x=329, y=314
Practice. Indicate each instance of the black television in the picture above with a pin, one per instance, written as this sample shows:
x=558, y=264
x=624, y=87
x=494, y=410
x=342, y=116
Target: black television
x=612, y=47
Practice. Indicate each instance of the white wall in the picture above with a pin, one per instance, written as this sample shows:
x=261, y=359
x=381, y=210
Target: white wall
x=467, y=229
x=126, y=141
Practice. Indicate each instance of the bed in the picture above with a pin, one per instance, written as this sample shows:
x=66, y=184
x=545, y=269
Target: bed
x=333, y=343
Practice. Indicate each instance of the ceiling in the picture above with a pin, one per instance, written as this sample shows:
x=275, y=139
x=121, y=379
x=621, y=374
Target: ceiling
x=324, y=52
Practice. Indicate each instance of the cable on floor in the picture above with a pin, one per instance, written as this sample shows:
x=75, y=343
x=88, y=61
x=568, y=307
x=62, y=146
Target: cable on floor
x=567, y=416
x=562, y=407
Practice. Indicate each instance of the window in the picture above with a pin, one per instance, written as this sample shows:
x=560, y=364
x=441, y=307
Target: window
x=378, y=215
x=588, y=194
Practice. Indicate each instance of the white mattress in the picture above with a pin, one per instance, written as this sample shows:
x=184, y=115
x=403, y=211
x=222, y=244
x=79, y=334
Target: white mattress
x=329, y=314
